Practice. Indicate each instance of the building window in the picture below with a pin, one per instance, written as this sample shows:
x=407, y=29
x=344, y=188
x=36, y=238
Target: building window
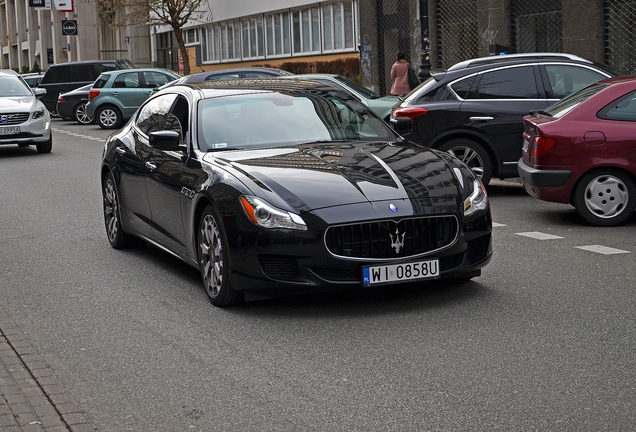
x=306, y=30
x=191, y=36
x=338, y=26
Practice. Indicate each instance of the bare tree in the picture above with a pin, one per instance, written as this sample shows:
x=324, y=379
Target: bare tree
x=175, y=13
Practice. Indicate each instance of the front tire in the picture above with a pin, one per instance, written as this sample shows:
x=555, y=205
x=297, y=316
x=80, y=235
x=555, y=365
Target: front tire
x=473, y=155
x=606, y=197
x=47, y=146
x=213, y=260
x=108, y=117
x=80, y=114
x=114, y=231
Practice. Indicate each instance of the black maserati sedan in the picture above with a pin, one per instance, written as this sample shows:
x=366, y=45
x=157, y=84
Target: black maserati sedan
x=283, y=186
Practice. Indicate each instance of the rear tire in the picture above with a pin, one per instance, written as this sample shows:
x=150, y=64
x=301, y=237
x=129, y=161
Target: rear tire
x=213, y=260
x=108, y=117
x=473, y=155
x=606, y=197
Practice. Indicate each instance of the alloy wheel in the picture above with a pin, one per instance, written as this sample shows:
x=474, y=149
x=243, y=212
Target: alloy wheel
x=110, y=210
x=81, y=116
x=211, y=250
x=470, y=157
x=108, y=117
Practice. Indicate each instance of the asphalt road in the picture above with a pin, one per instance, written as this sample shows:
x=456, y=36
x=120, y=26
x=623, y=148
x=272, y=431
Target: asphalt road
x=543, y=340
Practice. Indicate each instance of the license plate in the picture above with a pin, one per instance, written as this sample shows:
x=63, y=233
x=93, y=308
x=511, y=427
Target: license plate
x=400, y=272
x=10, y=130
x=526, y=144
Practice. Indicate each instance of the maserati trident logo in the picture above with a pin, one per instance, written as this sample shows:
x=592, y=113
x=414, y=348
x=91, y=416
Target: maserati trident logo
x=393, y=208
x=397, y=243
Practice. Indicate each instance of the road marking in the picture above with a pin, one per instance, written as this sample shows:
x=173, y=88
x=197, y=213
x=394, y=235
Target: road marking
x=602, y=249
x=75, y=134
x=495, y=224
x=539, y=235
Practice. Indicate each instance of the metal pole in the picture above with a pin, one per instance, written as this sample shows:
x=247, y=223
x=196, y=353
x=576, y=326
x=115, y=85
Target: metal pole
x=425, y=64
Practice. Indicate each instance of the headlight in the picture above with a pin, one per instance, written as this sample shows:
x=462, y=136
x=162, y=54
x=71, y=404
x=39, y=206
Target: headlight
x=478, y=200
x=40, y=112
x=266, y=216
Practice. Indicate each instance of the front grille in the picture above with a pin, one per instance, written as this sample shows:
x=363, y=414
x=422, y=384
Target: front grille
x=390, y=239
x=280, y=268
x=478, y=249
x=13, y=118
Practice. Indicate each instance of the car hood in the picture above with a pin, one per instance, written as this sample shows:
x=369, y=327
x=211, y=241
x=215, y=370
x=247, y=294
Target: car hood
x=17, y=104
x=309, y=177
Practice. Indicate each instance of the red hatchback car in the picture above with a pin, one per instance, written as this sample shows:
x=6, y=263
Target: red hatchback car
x=582, y=151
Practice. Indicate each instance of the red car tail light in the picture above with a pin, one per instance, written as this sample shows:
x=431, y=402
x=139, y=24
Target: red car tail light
x=541, y=146
x=92, y=94
x=409, y=112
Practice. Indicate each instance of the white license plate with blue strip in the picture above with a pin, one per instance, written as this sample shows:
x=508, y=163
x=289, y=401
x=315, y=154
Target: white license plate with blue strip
x=400, y=272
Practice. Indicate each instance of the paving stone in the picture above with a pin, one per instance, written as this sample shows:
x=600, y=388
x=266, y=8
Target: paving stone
x=74, y=418
x=50, y=421
x=27, y=418
x=7, y=420
x=20, y=408
x=67, y=408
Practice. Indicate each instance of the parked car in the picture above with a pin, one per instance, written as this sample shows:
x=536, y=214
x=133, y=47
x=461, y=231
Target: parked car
x=381, y=105
x=475, y=109
x=116, y=95
x=64, y=77
x=72, y=105
x=582, y=151
x=24, y=120
x=33, y=79
x=225, y=74
x=233, y=177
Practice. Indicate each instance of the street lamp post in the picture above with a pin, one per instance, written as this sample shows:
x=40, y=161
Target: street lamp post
x=425, y=64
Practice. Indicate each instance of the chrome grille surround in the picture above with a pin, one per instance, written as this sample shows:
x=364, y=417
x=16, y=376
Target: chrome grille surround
x=378, y=240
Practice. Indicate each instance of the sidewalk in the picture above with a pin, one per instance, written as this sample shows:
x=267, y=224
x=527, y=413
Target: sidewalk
x=31, y=397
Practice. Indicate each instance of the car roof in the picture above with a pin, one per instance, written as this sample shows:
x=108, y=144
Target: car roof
x=8, y=72
x=247, y=85
x=118, y=71
x=244, y=69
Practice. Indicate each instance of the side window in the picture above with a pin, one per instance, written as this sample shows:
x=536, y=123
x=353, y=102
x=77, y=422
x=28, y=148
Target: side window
x=622, y=109
x=58, y=74
x=105, y=67
x=127, y=80
x=259, y=75
x=509, y=83
x=152, y=115
x=86, y=72
x=462, y=87
x=156, y=79
x=223, y=76
x=566, y=79
x=101, y=81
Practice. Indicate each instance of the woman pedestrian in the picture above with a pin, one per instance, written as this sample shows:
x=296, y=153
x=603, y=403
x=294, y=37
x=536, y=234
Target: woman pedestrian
x=400, y=75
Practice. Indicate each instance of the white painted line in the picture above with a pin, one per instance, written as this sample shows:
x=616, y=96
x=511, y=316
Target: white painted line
x=539, y=235
x=602, y=249
x=495, y=224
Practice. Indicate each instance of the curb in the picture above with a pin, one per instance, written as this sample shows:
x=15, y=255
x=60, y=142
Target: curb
x=31, y=396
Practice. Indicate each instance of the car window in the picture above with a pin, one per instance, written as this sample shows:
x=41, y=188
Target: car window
x=152, y=115
x=365, y=92
x=622, y=109
x=105, y=67
x=223, y=76
x=127, y=80
x=259, y=75
x=156, y=79
x=285, y=119
x=86, y=72
x=11, y=86
x=570, y=102
x=567, y=79
x=462, y=87
x=178, y=118
x=101, y=81
x=509, y=83
x=57, y=74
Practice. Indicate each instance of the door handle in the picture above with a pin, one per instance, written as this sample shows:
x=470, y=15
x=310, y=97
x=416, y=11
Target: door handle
x=151, y=166
x=115, y=93
x=120, y=150
x=481, y=119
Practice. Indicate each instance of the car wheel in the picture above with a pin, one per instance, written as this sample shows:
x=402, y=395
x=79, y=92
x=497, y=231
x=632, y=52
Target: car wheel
x=114, y=231
x=80, y=114
x=213, y=262
x=473, y=155
x=605, y=198
x=45, y=147
x=108, y=117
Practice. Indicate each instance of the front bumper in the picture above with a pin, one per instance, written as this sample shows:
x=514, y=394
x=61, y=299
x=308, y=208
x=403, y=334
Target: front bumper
x=32, y=131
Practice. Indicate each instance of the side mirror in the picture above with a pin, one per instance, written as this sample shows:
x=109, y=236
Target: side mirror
x=39, y=91
x=402, y=125
x=167, y=140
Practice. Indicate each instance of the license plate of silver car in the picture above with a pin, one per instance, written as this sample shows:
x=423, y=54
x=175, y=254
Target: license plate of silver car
x=400, y=272
x=10, y=130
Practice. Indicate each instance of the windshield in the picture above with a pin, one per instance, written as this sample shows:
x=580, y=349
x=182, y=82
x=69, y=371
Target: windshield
x=11, y=86
x=267, y=119
x=365, y=92
x=570, y=102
